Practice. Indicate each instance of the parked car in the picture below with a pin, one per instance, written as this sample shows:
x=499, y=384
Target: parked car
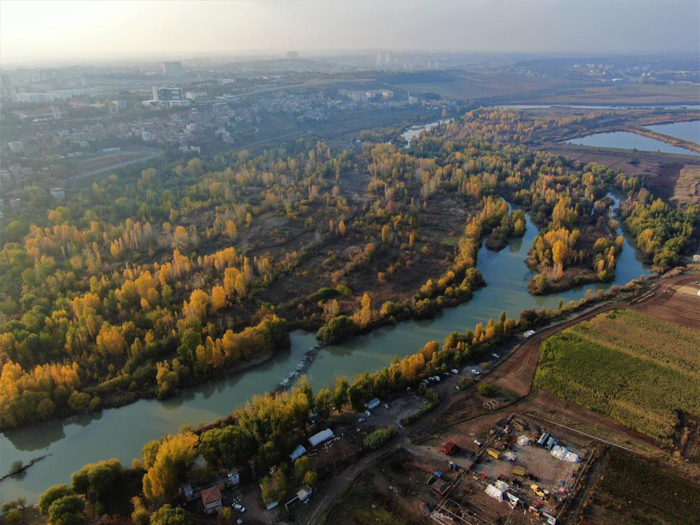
x=496, y=355
x=368, y=413
x=437, y=378
x=239, y=521
x=455, y=371
x=386, y=405
x=475, y=372
x=238, y=507
x=478, y=442
x=361, y=420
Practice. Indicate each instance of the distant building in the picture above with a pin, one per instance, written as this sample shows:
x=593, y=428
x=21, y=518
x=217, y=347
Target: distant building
x=57, y=193
x=196, y=95
x=211, y=499
x=16, y=146
x=147, y=136
x=298, y=452
x=169, y=96
x=172, y=69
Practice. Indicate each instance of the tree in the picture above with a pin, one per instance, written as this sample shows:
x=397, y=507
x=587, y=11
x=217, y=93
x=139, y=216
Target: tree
x=172, y=462
x=168, y=515
x=365, y=314
x=324, y=402
x=275, y=487
x=16, y=467
x=67, y=510
x=52, y=494
x=337, y=330
x=340, y=393
x=301, y=466
x=310, y=478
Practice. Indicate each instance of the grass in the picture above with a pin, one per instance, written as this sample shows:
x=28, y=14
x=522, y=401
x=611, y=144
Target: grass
x=362, y=503
x=637, y=369
x=638, y=491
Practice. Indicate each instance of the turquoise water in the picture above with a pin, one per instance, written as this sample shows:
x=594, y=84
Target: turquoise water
x=626, y=140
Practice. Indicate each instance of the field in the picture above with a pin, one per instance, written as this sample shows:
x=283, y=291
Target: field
x=373, y=500
x=640, y=370
x=632, y=490
x=688, y=186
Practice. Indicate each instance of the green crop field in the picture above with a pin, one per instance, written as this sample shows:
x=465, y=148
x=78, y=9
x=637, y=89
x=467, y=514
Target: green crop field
x=637, y=369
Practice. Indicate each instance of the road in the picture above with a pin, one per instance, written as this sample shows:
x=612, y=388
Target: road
x=523, y=359
x=152, y=154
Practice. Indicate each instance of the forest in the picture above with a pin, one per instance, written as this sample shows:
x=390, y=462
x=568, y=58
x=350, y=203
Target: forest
x=144, y=283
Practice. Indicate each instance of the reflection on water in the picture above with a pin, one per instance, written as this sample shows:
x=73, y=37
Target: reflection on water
x=121, y=432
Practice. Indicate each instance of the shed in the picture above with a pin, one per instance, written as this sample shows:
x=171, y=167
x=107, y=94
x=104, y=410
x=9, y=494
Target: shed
x=187, y=491
x=372, y=403
x=494, y=493
x=321, y=437
x=298, y=452
x=233, y=477
x=305, y=493
x=211, y=498
x=450, y=447
x=441, y=487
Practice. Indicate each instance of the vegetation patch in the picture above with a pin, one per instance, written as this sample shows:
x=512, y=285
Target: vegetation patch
x=637, y=369
x=636, y=491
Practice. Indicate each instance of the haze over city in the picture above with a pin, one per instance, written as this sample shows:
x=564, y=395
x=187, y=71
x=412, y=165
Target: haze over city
x=34, y=30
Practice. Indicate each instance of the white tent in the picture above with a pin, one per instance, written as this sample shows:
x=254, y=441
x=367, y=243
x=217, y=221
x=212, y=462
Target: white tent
x=494, y=493
x=523, y=441
x=321, y=437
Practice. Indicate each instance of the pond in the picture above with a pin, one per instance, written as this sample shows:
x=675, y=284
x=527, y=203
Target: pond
x=626, y=140
x=689, y=130
x=121, y=432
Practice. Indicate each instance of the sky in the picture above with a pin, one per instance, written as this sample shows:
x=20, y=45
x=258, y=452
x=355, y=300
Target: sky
x=85, y=30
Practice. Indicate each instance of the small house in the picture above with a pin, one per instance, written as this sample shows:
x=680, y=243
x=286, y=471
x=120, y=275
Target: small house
x=211, y=499
x=321, y=437
x=305, y=493
x=298, y=452
x=373, y=403
x=233, y=477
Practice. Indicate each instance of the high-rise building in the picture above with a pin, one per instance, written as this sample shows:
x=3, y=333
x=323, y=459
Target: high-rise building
x=172, y=69
x=169, y=96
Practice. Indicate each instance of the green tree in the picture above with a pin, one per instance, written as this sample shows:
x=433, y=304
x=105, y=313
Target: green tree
x=168, y=515
x=52, y=494
x=67, y=510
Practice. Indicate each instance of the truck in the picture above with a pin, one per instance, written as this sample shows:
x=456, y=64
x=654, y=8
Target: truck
x=518, y=471
x=450, y=448
x=542, y=493
x=494, y=453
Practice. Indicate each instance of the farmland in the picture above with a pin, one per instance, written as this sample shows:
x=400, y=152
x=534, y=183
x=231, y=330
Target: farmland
x=637, y=369
x=632, y=490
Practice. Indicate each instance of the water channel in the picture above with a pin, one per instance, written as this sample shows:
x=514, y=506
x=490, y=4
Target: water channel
x=120, y=432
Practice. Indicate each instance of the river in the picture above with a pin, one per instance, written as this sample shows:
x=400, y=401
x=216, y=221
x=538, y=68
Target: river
x=120, y=432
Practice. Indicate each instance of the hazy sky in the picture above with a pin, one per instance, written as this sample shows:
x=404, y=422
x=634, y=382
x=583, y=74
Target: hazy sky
x=37, y=30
